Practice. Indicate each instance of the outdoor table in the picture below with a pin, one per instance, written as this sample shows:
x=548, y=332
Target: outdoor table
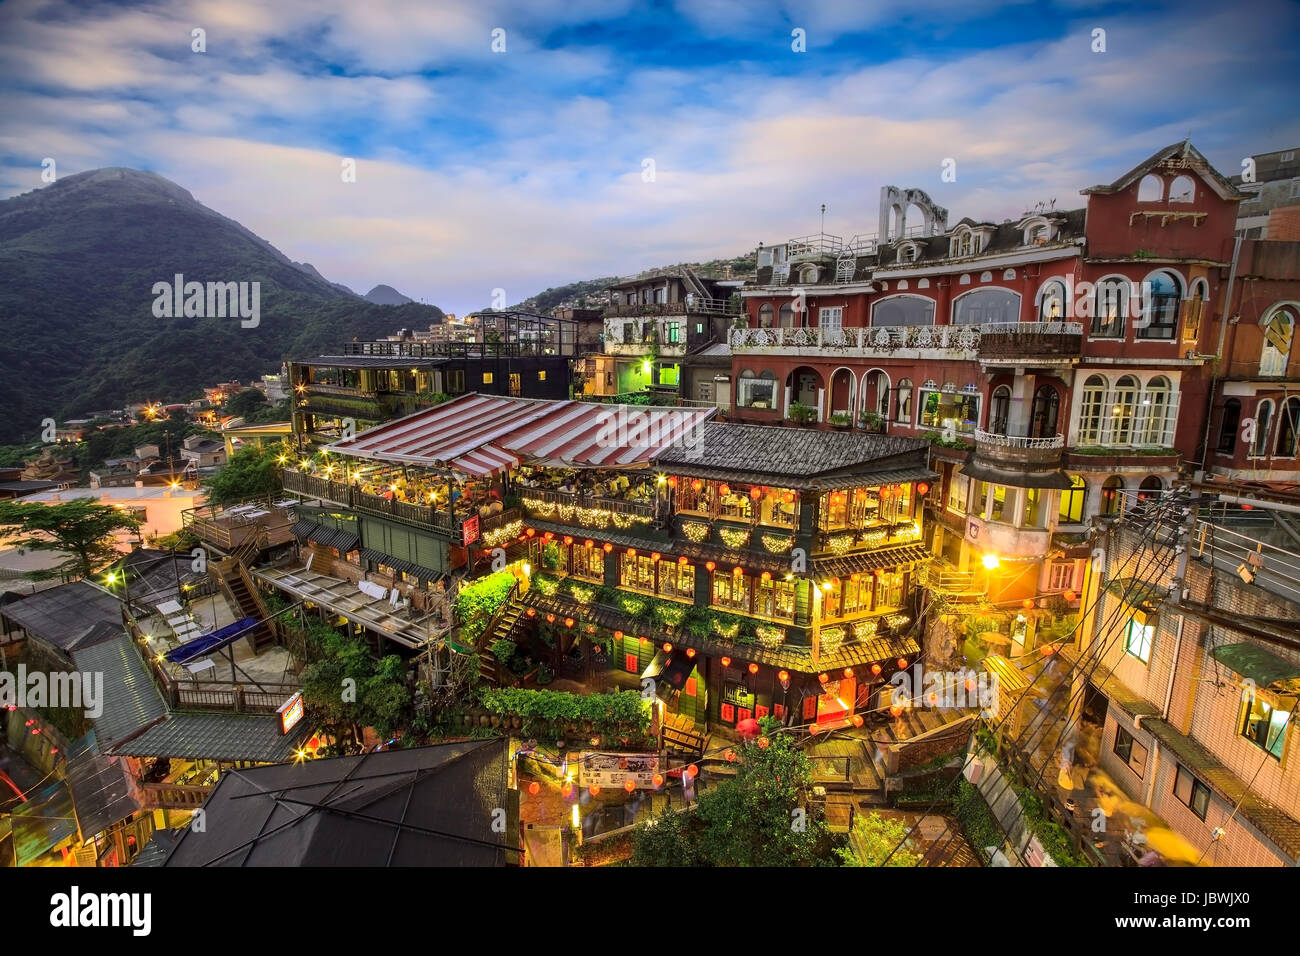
x=168, y=607
x=179, y=621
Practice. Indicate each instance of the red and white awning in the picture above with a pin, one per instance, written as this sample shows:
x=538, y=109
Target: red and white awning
x=484, y=434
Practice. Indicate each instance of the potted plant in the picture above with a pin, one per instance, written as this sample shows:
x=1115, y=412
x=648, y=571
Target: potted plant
x=872, y=421
x=802, y=414
x=839, y=420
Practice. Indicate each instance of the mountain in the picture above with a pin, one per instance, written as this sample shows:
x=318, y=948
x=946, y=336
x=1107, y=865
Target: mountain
x=80, y=259
x=386, y=295
x=311, y=270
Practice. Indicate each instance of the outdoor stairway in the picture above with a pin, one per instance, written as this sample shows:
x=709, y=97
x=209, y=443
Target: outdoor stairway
x=239, y=588
x=507, y=626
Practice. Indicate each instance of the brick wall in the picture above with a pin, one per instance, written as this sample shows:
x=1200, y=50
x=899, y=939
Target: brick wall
x=1284, y=223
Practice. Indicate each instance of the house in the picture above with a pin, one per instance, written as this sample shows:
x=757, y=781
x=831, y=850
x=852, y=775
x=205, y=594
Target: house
x=203, y=451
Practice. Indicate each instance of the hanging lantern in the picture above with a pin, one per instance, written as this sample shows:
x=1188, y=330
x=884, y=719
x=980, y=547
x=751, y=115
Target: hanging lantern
x=550, y=619
x=566, y=791
x=530, y=532
x=1027, y=604
x=737, y=570
x=823, y=677
x=591, y=628
x=690, y=652
x=884, y=492
x=618, y=635
x=656, y=556
x=753, y=668
x=767, y=575
x=668, y=648
x=567, y=540
x=629, y=784
x=672, y=482
x=726, y=662
x=658, y=779
x=534, y=788
x=1070, y=596
x=696, y=485
x=857, y=720
x=608, y=547
x=724, y=489
x=875, y=669
x=709, y=565
x=784, y=678
x=789, y=497
x=815, y=729
x=848, y=672
x=588, y=543
x=682, y=559
x=896, y=710
x=922, y=488
x=902, y=663
x=594, y=790
x=756, y=492
x=693, y=771
x=763, y=743
x=568, y=622
x=532, y=612
x=548, y=536
x=631, y=552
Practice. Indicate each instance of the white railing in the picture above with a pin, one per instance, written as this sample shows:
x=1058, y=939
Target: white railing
x=872, y=340
x=819, y=244
x=1015, y=441
x=1032, y=328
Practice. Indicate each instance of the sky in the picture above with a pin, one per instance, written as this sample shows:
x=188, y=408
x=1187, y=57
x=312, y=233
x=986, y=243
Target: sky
x=517, y=146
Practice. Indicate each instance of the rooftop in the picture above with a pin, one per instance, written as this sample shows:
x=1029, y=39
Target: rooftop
x=61, y=616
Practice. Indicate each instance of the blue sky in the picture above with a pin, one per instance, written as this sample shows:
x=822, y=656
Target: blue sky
x=519, y=170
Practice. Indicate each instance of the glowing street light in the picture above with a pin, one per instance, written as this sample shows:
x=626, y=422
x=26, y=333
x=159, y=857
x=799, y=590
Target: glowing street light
x=991, y=561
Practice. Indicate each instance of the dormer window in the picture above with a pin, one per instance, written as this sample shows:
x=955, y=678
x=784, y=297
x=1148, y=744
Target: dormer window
x=962, y=243
x=909, y=252
x=1037, y=231
x=808, y=273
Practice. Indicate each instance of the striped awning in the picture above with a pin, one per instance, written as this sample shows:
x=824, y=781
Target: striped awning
x=400, y=564
x=484, y=434
x=326, y=536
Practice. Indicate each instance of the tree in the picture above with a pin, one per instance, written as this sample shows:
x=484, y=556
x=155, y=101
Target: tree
x=83, y=528
x=874, y=839
x=244, y=403
x=251, y=472
x=348, y=689
x=756, y=818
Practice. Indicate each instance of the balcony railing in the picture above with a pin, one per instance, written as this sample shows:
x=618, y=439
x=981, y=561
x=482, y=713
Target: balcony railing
x=1029, y=341
x=342, y=493
x=873, y=341
x=316, y=388
x=562, y=499
x=172, y=796
x=698, y=305
x=1018, y=451
x=1015, y=441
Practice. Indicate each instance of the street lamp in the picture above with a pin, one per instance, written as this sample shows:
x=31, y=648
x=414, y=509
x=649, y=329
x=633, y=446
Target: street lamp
x=991, y=561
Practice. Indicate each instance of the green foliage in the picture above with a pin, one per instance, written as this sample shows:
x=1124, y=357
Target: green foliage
x=936, y=438
x=244, y=403
x=551, y=556
x=477, y=602
x=802, y=414
x=977, y=821
x=268, y=414
x=839, y=419
x=874, y=840
x=546, y=712
x=1053, y=837
x=182, y=540
x=504, y=651
x=251, y=472
x=747, y=820
x=382, y=698
x=82, y=528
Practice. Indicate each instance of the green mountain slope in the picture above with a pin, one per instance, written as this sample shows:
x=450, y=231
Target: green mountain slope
x=78, y=262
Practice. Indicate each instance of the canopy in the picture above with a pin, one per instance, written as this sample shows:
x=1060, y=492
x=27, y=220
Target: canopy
x=485, y=434
x=202, y=646
x=1253, y=662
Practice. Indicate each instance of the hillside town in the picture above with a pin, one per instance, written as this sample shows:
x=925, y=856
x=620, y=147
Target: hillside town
x=960, y=543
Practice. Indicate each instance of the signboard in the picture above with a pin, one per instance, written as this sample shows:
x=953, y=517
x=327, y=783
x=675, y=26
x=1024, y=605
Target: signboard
x=974, y=528
x=469, y=531
x=612, y=770
x=290, y=713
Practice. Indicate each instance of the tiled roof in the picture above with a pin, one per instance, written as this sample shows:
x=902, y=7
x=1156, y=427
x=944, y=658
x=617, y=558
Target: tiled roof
x=131, y=699
x=871, y=560
x=193, y=736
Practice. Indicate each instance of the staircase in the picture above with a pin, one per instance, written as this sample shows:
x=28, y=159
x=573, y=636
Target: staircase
x=694, y=284
x=239, y=587
x=506, y=625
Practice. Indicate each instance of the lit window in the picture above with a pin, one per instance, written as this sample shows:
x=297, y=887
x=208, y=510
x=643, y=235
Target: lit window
x=1265, y=726
x=1137, y=639
x=487, y=378
x=541, y=375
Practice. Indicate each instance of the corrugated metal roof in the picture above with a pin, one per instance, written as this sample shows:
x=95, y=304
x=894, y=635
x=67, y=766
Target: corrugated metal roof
x=400, y=564
x=192, y=736
x=870, y=560
x=326, y=536
x=101, y=791
x=43, y=822
x=131, y=699
x=61, y=615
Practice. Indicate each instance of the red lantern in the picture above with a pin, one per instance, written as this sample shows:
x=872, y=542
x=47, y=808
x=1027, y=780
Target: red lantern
x=763, y=743
x=783, y=676
x=629, y=784
x=884, y=492
x=532, y=612
x=548, y=536
x=658, y=778
x=690, y=652
x=568, y=540
x=1027, y=604
x=550, y=619
x=534, y=788
x=823, y=677
x=594, y=790
x=692, y=771
x=896, y=710
x=767, y=575
x=631, y=552
x=668, y=648
x=672, y=482
x=566, y=791
x=1070, y=596
x=815, y=729
x=857, y=720
x=568, y=622
x=314, y=743
x=922, y=488
x=709, y=565
x=618, y=635
x=756, y=492
x=724, y=489
x=696, y=485
x=753, y=668
x=902, y=663
x=737, y=570
x=726, y=662
x=608, y=547
x=656, y=556
x=875, y=669
x=789, y=497
x=530, y=532
x=588, y=543
x=682, y=559
x=848, y=672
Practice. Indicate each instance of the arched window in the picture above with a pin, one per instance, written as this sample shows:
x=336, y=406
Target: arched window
x=1151, y=189
x=904, y=401
x=1092, y=410
x=1160, y=307
x=1228, y=426
x=903, y=310
x=1287, y=425
x=1112, y=496
x=1154, y=420
x=756, y=391
x=1110, y=308
x=986, y=305
x=1182, y=189
x=1279, y=330
x=961, y=243
x=999, y=409
x=1194, y=310
x=1150, y=488
x=808, y=273
x=1072, y=501
x=1123, y=411
x=765, y=313
x=1044, y=412
x=1263, y=422
x=786, y=315
x=1051, y=302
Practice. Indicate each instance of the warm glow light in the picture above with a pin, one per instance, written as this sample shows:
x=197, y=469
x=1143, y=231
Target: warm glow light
x=902, y=663
x=763, y=743
x=724, y=489
x=857, y=720
x=690, y=652
x=568, y=540
x=753, y=668
x=815, y=729
x=726, y=662
x=709, y=565
x=588, y=543
x=528, y=569
x=922, y=489
x=875, y=668
x=848, y=672
x=658, y=779
x=577, y=821
x=823, y=677
x=668, y=648
x=534, y=788
x=990, y=561
x=594, y=790
x=608, y=547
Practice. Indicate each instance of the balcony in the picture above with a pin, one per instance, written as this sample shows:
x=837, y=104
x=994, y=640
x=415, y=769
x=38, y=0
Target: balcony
x=342, y=493
x=585, y=512
x=1030, y=343
x=953, y=342
x=1012, y=451
x=698, y=305
x=172, y=796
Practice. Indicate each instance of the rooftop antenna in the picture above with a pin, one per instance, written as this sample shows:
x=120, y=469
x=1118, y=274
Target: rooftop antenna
x=823, y=218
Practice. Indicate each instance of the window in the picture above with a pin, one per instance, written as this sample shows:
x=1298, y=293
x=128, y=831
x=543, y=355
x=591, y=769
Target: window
x=677, y=580
x=1160, y=309
x=1072, y=501
x=986, y=305
x=756, y=391
x=999, y=409
x=1091, y=410
x=455, y=381
x=1279, y=329
x=830, y=318
x=1295, y=189
x=1182, y=189
x=541, y=375
x=960, y=243
x=699, y=328
x=636, y=571
x=1130, y=751
x=589, y=563
x=775, y=599
x=1137, y=639
x=1060, y=575
x=1109, y=310
x=487, y=378
x=1051, y=303
x=938, y=409
x=1123, y=411
x=904, y=406
x=1043, y=412
x=1151, y=189
x=765, y=313
x=1150, y=487
x=1112, y=496
x=958, y=491
x=1191, y=792
x=674, y=333
x=1154, y=421
x=1287, y=426
x=1288, y=156
x=1194, y=311
x=1228, y=426
x=629, y=333
x=731, y=590
x=786, y=316
x=1265, y=726
x=903, y=310
x=1263, y=421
